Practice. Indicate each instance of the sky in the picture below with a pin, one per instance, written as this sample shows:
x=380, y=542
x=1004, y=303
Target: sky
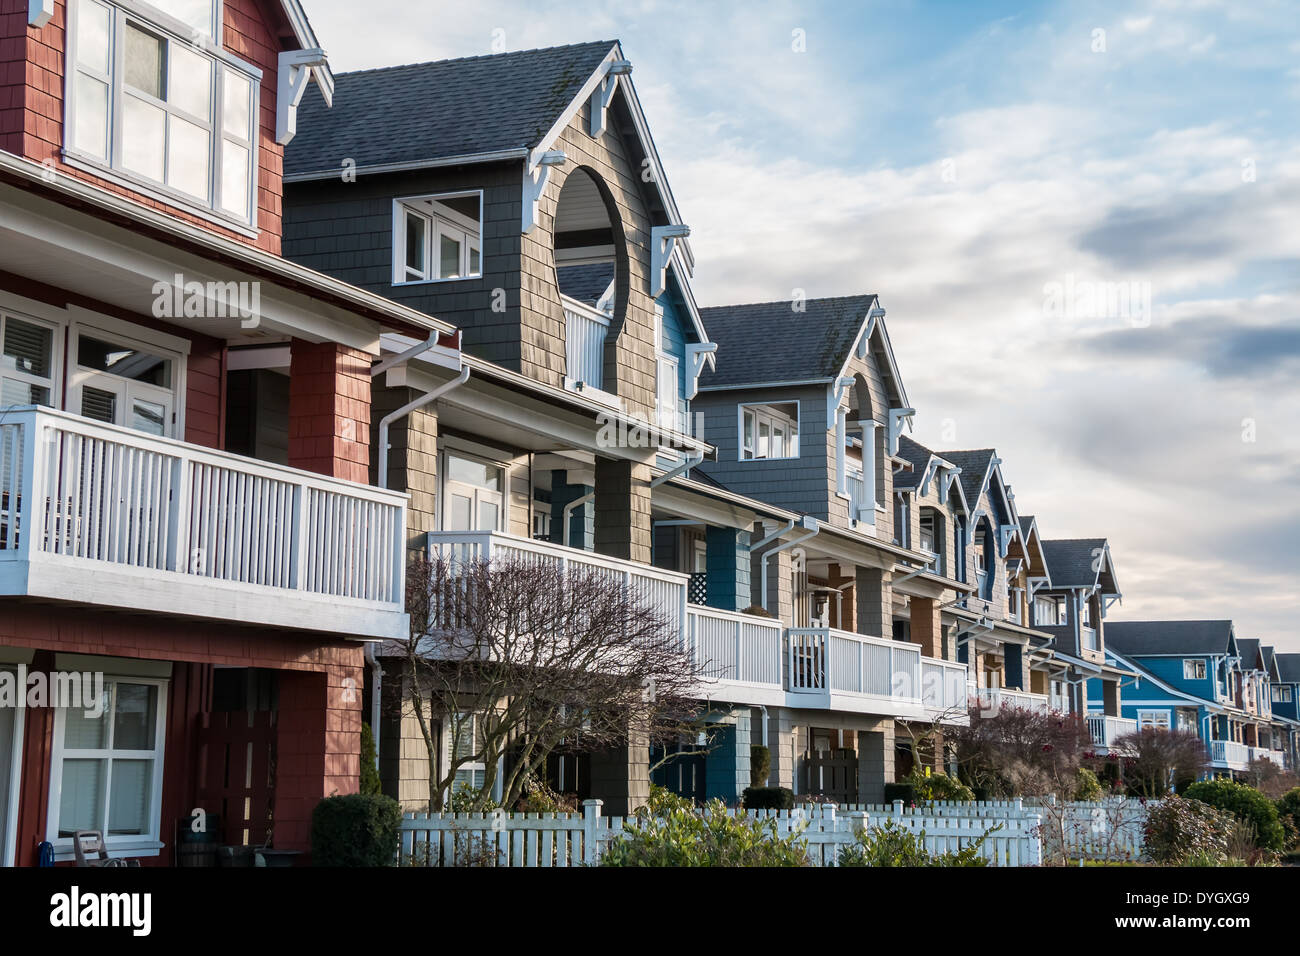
x=1082, y=219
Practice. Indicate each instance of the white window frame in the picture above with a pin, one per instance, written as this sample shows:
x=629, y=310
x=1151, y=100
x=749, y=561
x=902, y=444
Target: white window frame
x=436, y=226
x=147, y=844
x=472, y=767
x=1159, y=719
x=1197, y=664
x=1281, y=693
x=768, y=413
x=55, y=382
x=110, y=167
x=9, y=823
x=667, y=368
x=448, y=484
x=127, y=389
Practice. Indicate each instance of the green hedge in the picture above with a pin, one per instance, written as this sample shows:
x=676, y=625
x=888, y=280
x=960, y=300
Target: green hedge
x=767, y=798
x=1247, y=804
x=356, y=830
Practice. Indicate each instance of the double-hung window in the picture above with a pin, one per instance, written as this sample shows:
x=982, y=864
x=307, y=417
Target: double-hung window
x=155, y=101
x=437, y=238
x=106, y=770
x=769, y=431
x=667, y=398
x=1193, y=669
x=26, y=361
x=1153, y=720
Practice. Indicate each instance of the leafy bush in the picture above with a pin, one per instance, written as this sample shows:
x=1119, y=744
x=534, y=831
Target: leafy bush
x=1178, y=831
x=891, y=845
x=1245, y=803
x=1288, y=811
x=360, y=829
x=767, y=798
x=538, y=797
x=369, y=772
x=1086, y=785
x=760, y=764
x=939, y=786
x=712, y=837
x=900, y=791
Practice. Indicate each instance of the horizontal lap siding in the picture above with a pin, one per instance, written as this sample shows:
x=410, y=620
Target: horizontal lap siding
x=31, y=105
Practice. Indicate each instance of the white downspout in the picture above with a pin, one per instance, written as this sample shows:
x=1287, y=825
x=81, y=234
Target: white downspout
x=568, y=513
x=762, y=561
x=405, y=410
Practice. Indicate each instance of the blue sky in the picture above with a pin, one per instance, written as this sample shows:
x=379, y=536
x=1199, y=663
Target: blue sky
x=961, y=159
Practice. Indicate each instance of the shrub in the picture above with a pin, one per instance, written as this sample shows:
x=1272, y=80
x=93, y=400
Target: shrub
x=891, y=845
x=767, y=798
x=538, y=797
x=1288, y=811
x=711, y=837
x=760, y=764
x=1086, y=785
x=939, y=786
x=1245, y=803
x=900, y=791
x=369, y=772
x=360, y=829
x=1179, y=830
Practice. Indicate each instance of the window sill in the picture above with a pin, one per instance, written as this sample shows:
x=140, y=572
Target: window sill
x=179, y=201
x=409, y=282
x=786, y=458
x=64, y=853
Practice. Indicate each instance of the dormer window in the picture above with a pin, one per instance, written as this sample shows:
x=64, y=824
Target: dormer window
x=437, y=238
x=151, y=101
x=1194, y=669
x=769, y=431
x=1281, y=693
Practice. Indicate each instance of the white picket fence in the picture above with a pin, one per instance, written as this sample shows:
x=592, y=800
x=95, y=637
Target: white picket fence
x=497, y=838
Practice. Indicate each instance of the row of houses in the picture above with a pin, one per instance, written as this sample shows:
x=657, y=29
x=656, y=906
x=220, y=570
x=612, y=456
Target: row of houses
x=268, y=332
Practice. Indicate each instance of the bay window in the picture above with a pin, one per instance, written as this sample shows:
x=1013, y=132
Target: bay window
x=106, y=769
x=437, y=238
x=171, y=113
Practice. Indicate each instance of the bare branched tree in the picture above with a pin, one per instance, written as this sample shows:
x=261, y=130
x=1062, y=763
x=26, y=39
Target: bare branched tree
x=1155, y=760
x=524, y=657
x=1021, y=752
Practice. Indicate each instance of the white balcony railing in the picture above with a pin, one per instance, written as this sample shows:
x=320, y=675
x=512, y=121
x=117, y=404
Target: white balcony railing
x=854, y=671
x=1264, y=753
x=740, y=654
x=1230, y=754
x=585, y=331
x=665, y=591
x=1058, y=703
x=995, y=698
x=1105, y=729
x=1088, y=637
x=859, y=503
x=943, y=687
x=109, y=516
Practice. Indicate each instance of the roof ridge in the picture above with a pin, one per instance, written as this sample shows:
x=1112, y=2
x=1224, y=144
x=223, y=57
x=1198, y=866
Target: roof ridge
x=468, y=59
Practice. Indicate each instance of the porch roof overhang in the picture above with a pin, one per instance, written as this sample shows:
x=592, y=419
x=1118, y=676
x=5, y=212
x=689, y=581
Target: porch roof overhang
x=81, y=239
x=926, y=583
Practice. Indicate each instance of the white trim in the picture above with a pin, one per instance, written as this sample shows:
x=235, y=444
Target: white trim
x=792, y=439
x=379, y=169
x=152, y=839
x=435, y=223
x=9, y=825
x=136, y=337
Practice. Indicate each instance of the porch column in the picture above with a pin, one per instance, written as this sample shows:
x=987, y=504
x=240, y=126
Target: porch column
x=927, y=627
x=726, y=768
x=1110, y=697
x=622, y=525
x=875, y=599
x=1013, y=666
x=875, y=762
x=318, y=745
x=329, y=410
x=727, y=566
x=781, y=745
x=620, y=776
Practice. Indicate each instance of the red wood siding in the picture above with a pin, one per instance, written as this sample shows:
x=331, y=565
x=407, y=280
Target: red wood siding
x=319, y=723
x=31, y=104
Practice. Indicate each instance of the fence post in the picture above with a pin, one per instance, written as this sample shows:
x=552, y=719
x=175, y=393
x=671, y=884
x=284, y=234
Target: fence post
x=898, y=808
x=591, y=831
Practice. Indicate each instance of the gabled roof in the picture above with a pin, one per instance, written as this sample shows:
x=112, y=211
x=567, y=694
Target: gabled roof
x=1288, y=668
x=1170, y=638
x=1033, y=545
x=772, y=342
x=1146, y=674
x=1248, y=650
x=974, y=467
x=1270, y=661
x=423, y=112
x=1070, y=562
x=919, y=457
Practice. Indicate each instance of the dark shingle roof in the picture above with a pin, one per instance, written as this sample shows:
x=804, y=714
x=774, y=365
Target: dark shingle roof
x=428, y=111
x=1069, y=561
x=1248, y=649
x=914, y=452
x=1026, y=522
x=771, y=342
x=585, y=283
x=973, y=465
x=1288, y=665
x=1168, y=637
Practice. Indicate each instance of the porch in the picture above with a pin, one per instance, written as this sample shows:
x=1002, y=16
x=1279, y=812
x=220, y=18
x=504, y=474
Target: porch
x=1229, y=755
x=1105, y=729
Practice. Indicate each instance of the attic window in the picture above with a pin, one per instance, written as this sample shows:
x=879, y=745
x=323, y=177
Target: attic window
x=769, y=431
x=1193, y=669
x=437, y=238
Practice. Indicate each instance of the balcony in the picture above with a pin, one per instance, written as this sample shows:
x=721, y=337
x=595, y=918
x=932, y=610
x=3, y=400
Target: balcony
x=944, y=689
x=112, y=517
x=585, y=331
x=836, y=670
x=740, y=654
x=1274, y=757
x=1105, y=729
x=663, y=590
x=993, y=699
x=1229, y=755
